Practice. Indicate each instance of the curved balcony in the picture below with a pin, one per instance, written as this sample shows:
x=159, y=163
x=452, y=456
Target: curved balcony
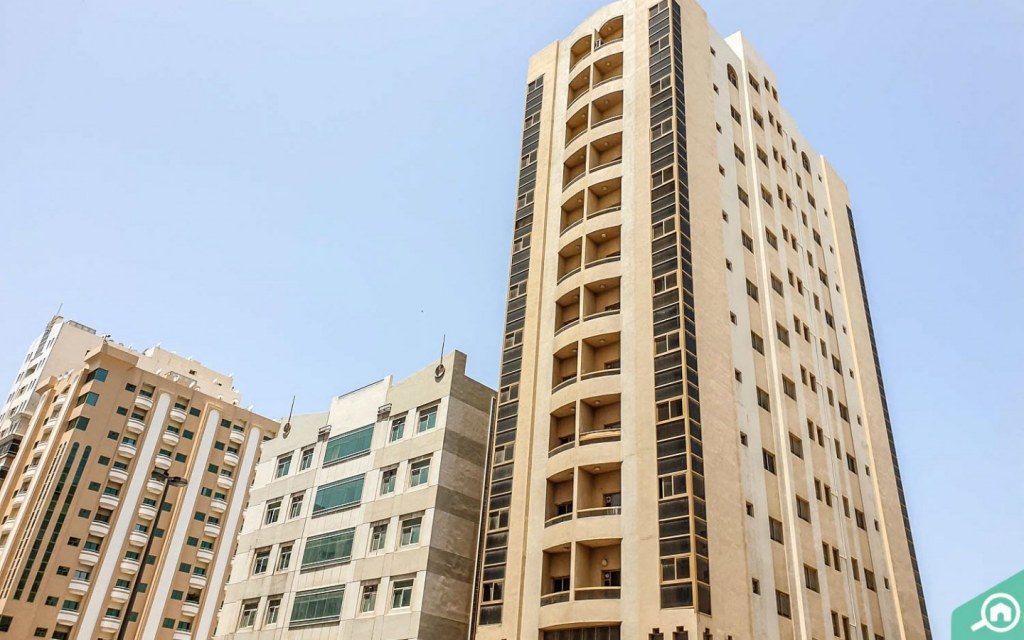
x=136, y=426
x=597, y=593
x=109, y=502
x=109, y=624
x=19, y=498
x=190, y=609
x=182, y=635
x=162, y=461
x=30, y=472
x=238, y=437
x=144, y=402
x=61, y=398
x=127, y=450
x=67, y=617
x=88, y=558
x=40, y=446
x=225, y=482
x=48, y=425
x=154, y=486
x=561, y=612
x=7, y=526
x=178, y=414
x=137, y=539
x=118, y=475
x=554, y=598
x=118, y=594
x=99, y=529
x=205, y=555
x=131, y=567
x=78, y=587
x=218, y=506
x=199, y=582
x=170, y=438
x=147, y=512
x=230, y=459
x=212, y=530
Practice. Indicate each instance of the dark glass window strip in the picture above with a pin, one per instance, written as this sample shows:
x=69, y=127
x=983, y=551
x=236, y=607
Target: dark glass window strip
x=682, y=524
x=499, y=484
x=888, y=428
x=52, y=543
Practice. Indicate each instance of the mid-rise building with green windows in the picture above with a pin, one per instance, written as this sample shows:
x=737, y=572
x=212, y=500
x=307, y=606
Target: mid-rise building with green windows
x=342, y=536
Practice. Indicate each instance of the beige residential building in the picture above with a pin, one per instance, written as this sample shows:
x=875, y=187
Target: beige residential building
x=63, y=345
x=123, y=504
x=691, y=438
x=363, y=520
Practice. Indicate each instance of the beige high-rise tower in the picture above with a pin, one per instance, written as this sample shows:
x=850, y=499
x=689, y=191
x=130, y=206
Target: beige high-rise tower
x=692, y=439
x=121, y=507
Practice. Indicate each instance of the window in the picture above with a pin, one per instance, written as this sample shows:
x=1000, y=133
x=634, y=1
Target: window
x=273, y=610
x=763, y=400
x=295, y=507
x=88, y=398
x=775, y=530
x=803, y=509
x=306, y=459
x=782, y=604
x=284, y=557
x=493, y=591
x=769, y=460
x=411, y=531
x=752, y=290
x=262, y=561
x=811, y=578
x=869, y=579
x=99, y=375
x=349, y=445
x=284, y=464
x=378, y=536
x=338, y=495
x=401, y=594
x=273, y=512
x=369, y=600
x=248, y=617
x=757, y=342
x=427, y=419
x=397, y=429
x=419, y=472
x=387, y=480
x=327, y=549
x=789, y=387
x=796, y=445
x=783, y=333
x=317, y=605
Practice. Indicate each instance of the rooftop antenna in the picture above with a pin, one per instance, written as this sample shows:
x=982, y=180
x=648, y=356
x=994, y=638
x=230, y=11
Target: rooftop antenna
x=439, y=370
x=288, y=423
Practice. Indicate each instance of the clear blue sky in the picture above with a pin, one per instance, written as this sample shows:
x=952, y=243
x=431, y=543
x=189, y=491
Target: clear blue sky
x=329, y=186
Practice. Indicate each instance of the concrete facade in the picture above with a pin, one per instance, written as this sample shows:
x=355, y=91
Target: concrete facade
x=691, y=438
x=412, y=453
x=89, y=498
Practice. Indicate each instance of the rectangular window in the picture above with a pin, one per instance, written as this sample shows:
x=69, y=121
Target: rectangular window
x=295, y=507
x=329, y=548
x=427, y=419
x=369, y=600
x=775, y=530
x=411, y=531
x=284, y=464
x=273, y=611
x=763, y=400
x=273, y=512
x=317, y=605
x=248, y=617
x=387, y=481
x=782, y=604
x=397, y=429
x=349, y=445
x=401, y=594
x=796, y=445
x=306, y=459
x=262, y=561
x=769, y=460
x=284, y=557
x=88, y=398
x=338, y=495
x=378, y=536
x=803, y=509
x=419, y=472
x=99, y=375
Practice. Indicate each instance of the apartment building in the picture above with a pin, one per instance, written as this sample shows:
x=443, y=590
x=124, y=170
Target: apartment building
x=62, y=345
x=121, y=509
x=691, y=438
x=363, y=520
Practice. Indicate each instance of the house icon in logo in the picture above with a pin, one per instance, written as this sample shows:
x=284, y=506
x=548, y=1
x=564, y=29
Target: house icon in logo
x=1000, y=612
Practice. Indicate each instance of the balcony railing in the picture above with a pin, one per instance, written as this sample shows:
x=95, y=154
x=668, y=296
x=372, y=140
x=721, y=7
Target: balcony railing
x=552, y=598
x=600, y=435
x=601, y=372
x=550, y=522
x=599, y=511
x=598, y=593
x=565, y=446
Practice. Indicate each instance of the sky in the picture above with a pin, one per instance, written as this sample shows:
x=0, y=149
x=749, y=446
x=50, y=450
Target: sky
x=310, y=194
